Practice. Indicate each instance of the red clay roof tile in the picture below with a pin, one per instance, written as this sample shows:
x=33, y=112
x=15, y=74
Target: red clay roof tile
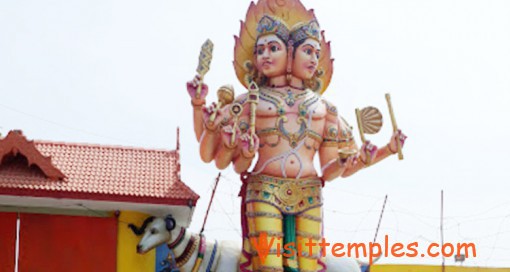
x=100, y=172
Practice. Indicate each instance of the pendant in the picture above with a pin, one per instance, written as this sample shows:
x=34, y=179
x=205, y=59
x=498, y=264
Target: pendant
x=290, y=100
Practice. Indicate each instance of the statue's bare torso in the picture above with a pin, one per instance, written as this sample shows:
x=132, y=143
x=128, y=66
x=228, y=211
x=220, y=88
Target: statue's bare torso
x=290, y=124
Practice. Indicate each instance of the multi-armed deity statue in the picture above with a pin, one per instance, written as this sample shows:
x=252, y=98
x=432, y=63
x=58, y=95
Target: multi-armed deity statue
x=283, y=60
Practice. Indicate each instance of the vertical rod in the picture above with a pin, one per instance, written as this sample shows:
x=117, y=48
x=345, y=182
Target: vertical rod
x=442, y=234
x=253, y=114
x=395, y=127
x=16, y=255
x=380, y=218
x=178, y=145
x=210, y=202
x=360, y=126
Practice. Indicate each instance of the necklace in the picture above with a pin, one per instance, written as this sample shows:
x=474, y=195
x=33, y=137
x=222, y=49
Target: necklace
x=283, y=86
x=290, y=98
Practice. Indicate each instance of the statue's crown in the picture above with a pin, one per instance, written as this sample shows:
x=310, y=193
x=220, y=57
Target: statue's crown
x=270, y=25
x=304, y=31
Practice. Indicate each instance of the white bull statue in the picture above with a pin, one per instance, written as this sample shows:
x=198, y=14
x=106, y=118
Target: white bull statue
x=222, y=256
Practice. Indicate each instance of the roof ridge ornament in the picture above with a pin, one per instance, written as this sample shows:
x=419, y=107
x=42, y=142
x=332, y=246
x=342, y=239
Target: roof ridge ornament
x=16, y=143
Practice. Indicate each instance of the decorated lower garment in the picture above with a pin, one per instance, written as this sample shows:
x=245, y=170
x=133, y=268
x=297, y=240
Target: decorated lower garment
x=286, y=199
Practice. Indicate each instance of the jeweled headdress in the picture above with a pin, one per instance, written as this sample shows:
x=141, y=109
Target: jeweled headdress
x=285, y=12
x=269, y=25
x=303, y=31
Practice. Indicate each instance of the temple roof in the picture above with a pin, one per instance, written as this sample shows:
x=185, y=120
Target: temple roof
x=92, y=172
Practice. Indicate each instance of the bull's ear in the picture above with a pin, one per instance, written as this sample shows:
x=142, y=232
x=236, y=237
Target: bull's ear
x=170, y=222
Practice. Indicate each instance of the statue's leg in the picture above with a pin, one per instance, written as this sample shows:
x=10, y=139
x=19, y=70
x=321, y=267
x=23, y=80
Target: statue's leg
x=263, y=217
x=309, y=229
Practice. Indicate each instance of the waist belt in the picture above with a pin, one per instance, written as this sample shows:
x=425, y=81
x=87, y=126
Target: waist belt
x=290, y=196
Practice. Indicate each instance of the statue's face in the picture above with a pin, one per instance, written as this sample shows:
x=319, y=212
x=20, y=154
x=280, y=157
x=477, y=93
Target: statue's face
x=306, y=59
x=271, y=56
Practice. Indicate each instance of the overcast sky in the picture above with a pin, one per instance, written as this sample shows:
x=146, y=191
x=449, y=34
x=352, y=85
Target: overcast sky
x=114, y=72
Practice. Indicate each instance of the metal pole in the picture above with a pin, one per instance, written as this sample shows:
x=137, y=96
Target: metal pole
x=442, y=234
x=210, y=202
x=380, y=218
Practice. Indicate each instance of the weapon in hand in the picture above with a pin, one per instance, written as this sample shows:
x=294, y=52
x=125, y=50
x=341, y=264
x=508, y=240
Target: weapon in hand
x=369, y=122
x=236, y=111
x=253, y=99
x=225, y=96
x=395, y=128
x=204, y=63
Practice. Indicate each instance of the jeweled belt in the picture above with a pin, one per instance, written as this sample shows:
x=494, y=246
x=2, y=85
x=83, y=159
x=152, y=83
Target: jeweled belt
x=289, y=195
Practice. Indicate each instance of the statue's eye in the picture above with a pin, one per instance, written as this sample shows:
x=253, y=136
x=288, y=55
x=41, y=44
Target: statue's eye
x=274, y=48
x=308, y=51
x=154, y=231
x=260, y=51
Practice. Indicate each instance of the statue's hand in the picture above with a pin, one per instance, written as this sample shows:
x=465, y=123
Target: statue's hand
x=226, y=136
x=397, y=135
x=192, y=87
x=208, y=112
x=247, y=150
x=367, y=149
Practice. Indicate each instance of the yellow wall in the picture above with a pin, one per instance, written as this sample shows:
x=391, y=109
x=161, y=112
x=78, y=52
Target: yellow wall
x=127, y=258
x=426, y=268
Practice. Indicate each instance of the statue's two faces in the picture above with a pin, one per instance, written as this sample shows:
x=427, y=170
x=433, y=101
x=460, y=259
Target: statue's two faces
x=271, y=56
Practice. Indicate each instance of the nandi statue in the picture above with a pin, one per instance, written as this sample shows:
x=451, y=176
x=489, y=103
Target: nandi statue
x=221, y=256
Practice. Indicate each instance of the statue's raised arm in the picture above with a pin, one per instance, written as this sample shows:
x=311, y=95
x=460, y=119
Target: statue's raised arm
x=197, y=89
x=198, y=102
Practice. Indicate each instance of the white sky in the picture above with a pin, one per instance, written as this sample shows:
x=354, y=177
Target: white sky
x=114, y=72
